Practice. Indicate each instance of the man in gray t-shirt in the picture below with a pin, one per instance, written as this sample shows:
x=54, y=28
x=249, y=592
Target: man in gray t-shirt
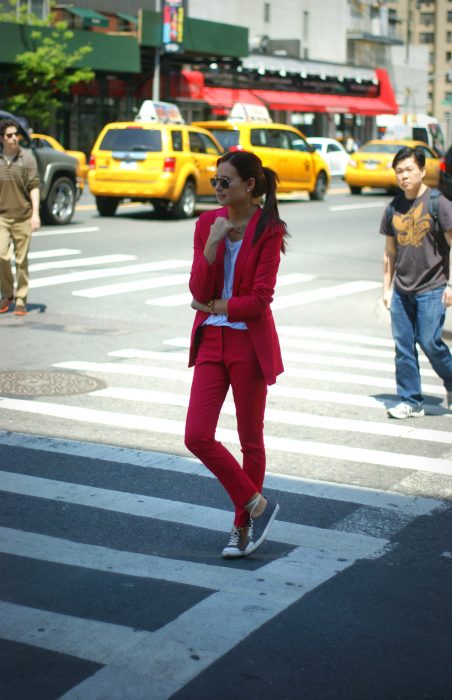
x=417, y=263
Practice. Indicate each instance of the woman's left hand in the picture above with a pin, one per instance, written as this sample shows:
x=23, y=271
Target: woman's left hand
x=198, y=306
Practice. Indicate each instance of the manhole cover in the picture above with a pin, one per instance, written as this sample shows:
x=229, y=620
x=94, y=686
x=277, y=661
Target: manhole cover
x=46, y=383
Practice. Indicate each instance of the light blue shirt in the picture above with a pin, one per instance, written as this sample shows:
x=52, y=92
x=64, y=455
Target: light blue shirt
x=230, y=256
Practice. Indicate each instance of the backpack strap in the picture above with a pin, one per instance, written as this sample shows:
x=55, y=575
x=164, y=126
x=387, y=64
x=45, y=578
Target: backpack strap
x=390, y=209
x=433, y=208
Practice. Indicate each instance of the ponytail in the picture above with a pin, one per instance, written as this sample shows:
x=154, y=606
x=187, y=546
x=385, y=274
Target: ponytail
x=270, y=213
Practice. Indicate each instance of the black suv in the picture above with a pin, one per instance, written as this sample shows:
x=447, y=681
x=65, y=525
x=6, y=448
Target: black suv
x=58, y=179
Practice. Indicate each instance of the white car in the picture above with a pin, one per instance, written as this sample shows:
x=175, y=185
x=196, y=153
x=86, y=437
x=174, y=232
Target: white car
x=332, y=151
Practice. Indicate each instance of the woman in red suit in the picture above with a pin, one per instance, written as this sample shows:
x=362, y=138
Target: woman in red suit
x=237, y=251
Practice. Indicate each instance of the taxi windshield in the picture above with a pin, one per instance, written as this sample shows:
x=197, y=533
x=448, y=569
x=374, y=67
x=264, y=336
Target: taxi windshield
x=132, y=140
x=381, y=147
x=226, y=137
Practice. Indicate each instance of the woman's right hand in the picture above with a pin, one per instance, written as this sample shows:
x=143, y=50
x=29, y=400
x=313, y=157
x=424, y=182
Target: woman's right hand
x=218, y=232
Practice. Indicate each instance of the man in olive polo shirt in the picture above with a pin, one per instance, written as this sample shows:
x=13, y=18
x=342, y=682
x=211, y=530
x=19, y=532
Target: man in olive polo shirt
x=19, y=215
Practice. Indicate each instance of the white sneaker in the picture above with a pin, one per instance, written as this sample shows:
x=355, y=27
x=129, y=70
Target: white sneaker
x=405, y=410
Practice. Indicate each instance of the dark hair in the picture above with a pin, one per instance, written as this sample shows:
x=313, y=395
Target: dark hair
x=5, y=124
x=248, y=165
x=409, y=152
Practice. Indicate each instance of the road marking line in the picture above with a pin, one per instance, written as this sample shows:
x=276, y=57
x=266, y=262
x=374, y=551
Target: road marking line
x=81, y=262
x=361, y=495
x=133, y=286
x=174, y=300
x=60, y=231
x=273, y=415
x=301, y=332
x=122, y=271
x=184, y=513
x=54, y=253
x=364, y=205
x=186, y=376
x=313, y=295
x=164, y=426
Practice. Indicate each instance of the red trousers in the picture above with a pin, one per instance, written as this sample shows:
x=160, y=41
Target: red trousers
x=227, y=358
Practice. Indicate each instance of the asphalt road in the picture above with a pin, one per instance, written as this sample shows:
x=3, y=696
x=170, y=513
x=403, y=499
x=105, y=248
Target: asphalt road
x=112, y=585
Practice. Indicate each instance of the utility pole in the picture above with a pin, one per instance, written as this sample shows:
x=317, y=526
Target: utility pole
x=156, y=78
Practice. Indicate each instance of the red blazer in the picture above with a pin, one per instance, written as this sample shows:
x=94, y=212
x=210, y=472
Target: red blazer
x=253, y=288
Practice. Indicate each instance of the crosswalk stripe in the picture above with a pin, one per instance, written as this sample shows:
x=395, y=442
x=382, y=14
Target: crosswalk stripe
x=54, y=253
x=133, y=286
x=62, y=231
x=290, y=445
x=303, y=332
x=81, y=262
x=122, y=271
x=383, y=500
x=288, y=343
x=185, y=298
x=177, y=512
x=272, y=415
x=313, y=295
x=186, y=376
x=364, y=205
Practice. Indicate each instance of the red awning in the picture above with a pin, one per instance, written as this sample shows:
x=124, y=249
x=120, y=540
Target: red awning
x=224, y=98
x=385, y=103
x=227, y=97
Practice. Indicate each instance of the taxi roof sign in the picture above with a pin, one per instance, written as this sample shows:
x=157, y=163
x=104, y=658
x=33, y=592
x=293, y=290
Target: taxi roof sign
x=163, y=112
x=242, y=112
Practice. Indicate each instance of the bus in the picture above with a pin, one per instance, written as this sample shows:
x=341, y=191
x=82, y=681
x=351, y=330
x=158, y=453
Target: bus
x=416, y=127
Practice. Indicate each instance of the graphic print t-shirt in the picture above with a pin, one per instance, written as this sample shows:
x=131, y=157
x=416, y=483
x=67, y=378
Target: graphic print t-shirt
x=422, y=260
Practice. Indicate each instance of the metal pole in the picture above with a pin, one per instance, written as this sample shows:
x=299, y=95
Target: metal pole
x=156, y=78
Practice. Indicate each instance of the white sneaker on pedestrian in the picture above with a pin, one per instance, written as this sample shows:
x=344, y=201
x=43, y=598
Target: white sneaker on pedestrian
x=449, y=400
x=405, y=410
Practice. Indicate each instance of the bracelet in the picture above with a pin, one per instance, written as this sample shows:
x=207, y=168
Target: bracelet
x=211, y=306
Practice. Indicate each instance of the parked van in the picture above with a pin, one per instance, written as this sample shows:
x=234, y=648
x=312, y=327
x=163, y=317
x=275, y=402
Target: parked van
x=414, y=127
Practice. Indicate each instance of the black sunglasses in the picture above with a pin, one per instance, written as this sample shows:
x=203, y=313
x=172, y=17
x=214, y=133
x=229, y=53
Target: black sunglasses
x=222, y=181
x=15, y=133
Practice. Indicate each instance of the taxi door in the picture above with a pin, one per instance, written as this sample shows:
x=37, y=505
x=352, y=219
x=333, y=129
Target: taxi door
x=431, y=168
x=285, y=152
x=205, y=154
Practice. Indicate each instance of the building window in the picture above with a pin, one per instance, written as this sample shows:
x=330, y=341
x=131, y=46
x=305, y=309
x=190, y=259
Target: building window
x=426, y=38
x=448, y=96
x=266, y=12
x=448, y=56
x=40, y=8
x=427, y=18
x=449, y=37
x=449, y=16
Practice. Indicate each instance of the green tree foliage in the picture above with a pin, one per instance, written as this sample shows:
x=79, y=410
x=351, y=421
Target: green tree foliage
x=46, y=73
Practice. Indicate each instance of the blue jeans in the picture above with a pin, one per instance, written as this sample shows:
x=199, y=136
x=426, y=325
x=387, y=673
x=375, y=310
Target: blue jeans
x=419, y=318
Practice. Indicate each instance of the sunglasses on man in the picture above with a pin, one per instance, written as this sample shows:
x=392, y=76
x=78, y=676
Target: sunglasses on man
x=224, y=182
x=9, y=136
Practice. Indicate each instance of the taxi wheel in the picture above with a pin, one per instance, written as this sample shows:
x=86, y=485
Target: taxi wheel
x=319, y=190
x=106, y=206
x=185, y=207
x=355, y=190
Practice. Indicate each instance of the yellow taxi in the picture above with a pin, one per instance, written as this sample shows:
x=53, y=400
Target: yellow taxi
x=371, y=165
x=280, y=147
x=43, y=140
x=166, y=164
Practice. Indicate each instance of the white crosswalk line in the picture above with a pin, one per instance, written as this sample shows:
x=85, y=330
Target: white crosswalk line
x=185, y=298
x=272, y=415
x=313, y=295
x=179, y=512
x=62, y=231
x=55, y=253
x=389, y=501
x=302, y=332
x=133, y=286
x=122, y=271
x=164, y=426
x=81, y=262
